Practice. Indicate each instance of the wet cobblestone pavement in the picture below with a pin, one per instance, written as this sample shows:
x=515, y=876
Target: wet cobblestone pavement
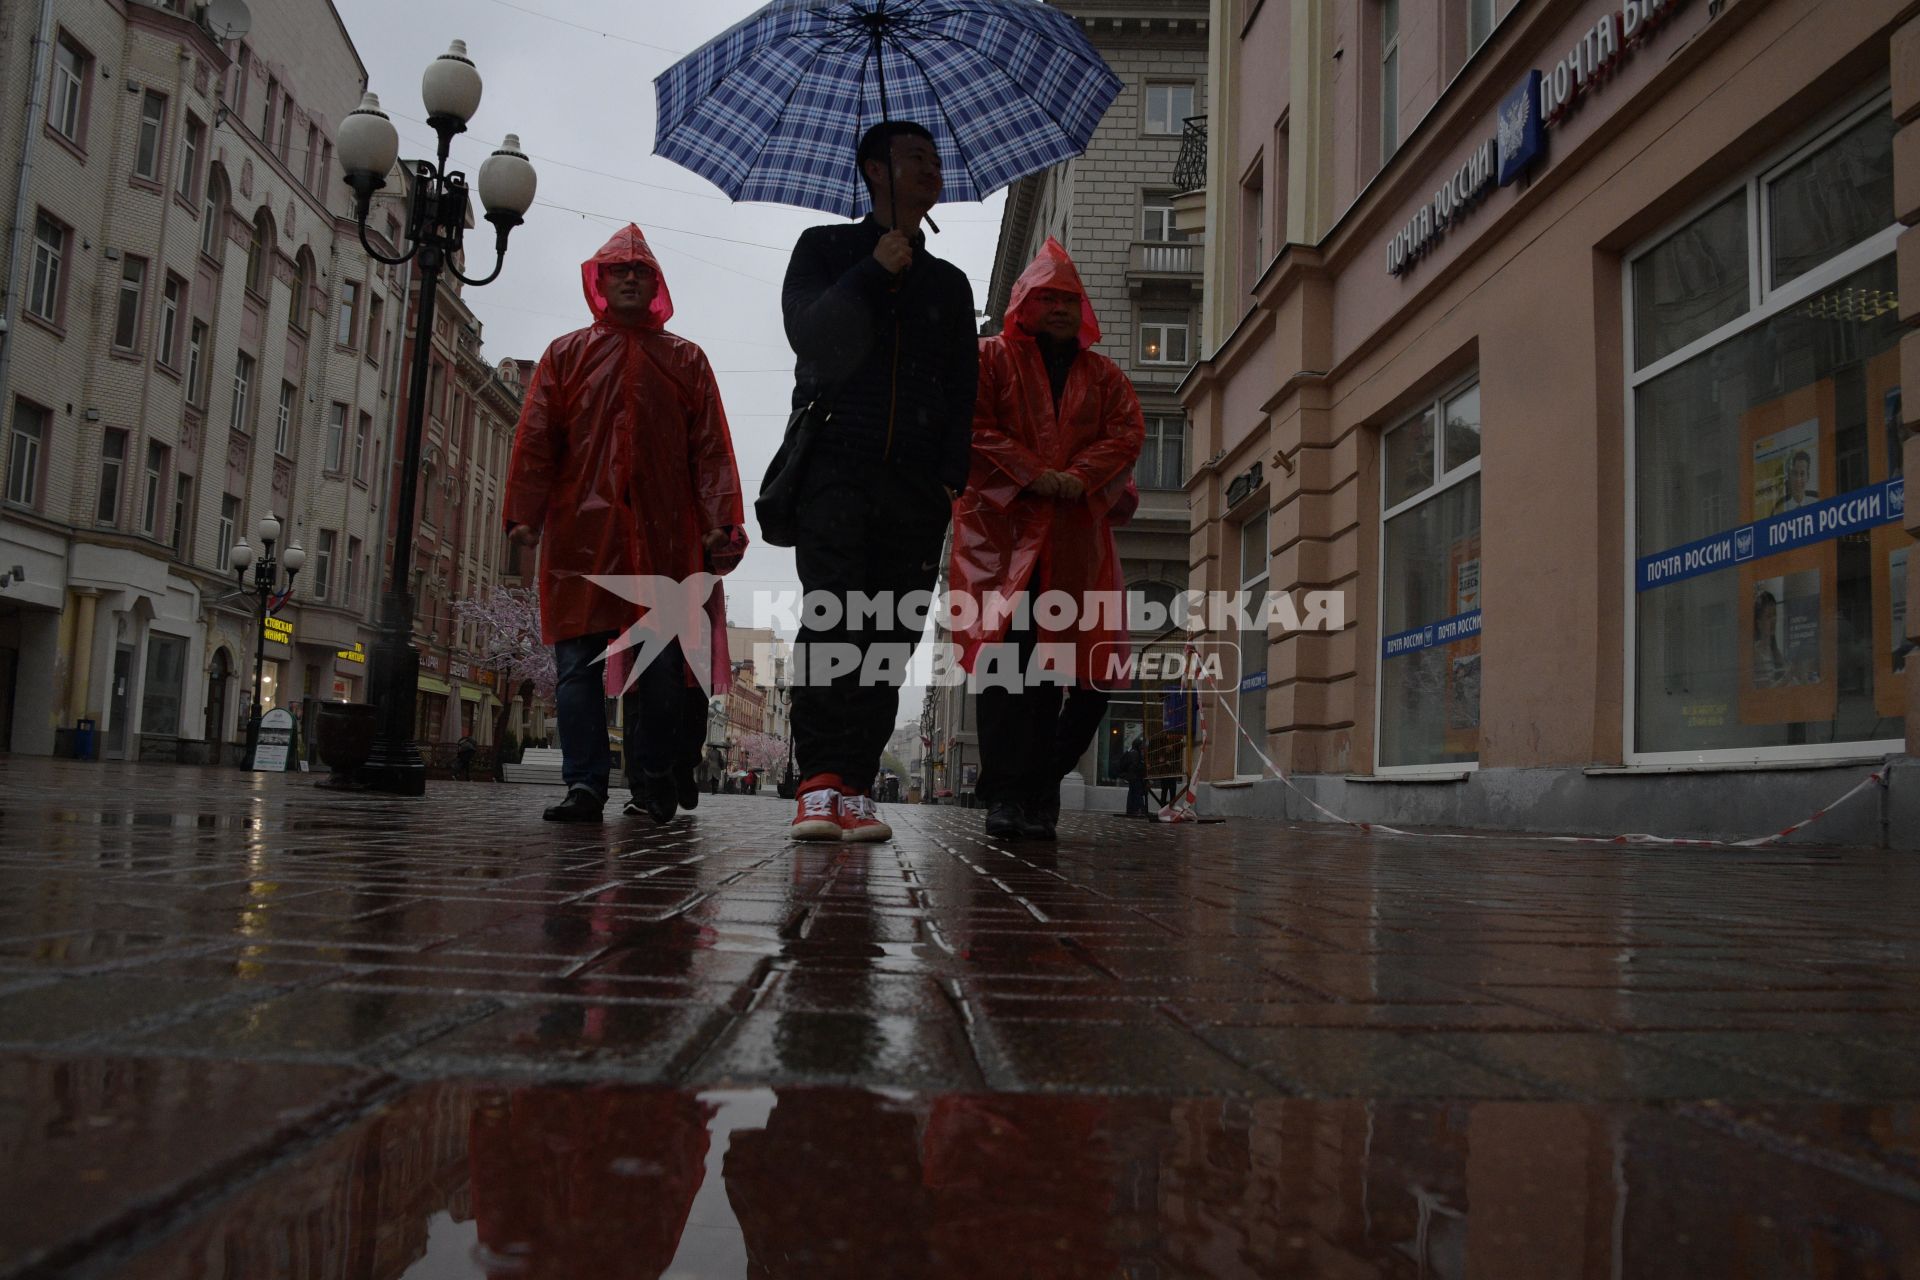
x=250, y=1029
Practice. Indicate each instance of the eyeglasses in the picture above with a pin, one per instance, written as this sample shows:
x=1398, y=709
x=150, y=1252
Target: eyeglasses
x=624, y=270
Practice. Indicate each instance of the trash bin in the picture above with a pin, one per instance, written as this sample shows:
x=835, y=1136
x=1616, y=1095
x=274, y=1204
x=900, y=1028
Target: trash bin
x=83, y=739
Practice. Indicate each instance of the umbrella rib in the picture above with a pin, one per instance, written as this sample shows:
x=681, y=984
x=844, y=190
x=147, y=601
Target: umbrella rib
x=825, y=47
x=799, y=80
x=941, y=106
x=1056, y=125
x=1096, y=62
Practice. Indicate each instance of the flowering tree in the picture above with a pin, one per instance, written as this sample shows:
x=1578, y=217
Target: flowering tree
x=507, y=637
x=762, y=752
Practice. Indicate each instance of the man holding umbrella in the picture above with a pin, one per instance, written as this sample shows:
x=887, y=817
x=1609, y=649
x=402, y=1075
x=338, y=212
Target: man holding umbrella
x=885, y=338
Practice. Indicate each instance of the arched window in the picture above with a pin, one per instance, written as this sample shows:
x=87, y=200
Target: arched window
x=302, y=284
x=1150, y=594
x=260, y=254
x=213, y=212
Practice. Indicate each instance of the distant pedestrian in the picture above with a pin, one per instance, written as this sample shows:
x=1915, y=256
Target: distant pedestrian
x=463, y=755
x=1132, y=769
x=623, y=465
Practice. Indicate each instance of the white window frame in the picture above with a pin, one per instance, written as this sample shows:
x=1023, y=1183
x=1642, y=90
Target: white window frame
x=1480, y=12
x=67, y=103
x=323, y=549
x=1176, y=123
x=229, y=530
x=113, y=479
x=241, y=419
x=1442, y=481
x=362, y=437
x=173, y=292
x=1764, y=304
x=182, y=515
x=154, y=471
x=1165, y=328
x=336, y=456
x=49, y=264
x=197, y=337
x=132, y=287
x=1390, y=53
x=1257, y=509
x=150, y=145
x=193, y=136
x=283, y=420
x=26, y=452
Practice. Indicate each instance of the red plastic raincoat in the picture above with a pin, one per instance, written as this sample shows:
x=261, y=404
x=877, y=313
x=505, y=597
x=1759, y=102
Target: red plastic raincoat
x=622, y=460
x=1002, y=536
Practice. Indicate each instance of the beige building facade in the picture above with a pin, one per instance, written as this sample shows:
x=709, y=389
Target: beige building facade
x=194, y=340
x=1564, y=341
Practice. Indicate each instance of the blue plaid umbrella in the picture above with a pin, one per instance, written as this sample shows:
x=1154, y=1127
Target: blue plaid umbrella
x=771, y=109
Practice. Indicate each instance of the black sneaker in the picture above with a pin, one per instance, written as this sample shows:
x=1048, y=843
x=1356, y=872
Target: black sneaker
x=581, y=805
x=1038, y=818
x=656, y=796
x=686, y=790
x=1004, y=822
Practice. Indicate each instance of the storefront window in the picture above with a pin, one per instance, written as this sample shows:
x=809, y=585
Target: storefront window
x=1430, y=594
x=160, y=693
x=1691, y=283
x=1769, y=554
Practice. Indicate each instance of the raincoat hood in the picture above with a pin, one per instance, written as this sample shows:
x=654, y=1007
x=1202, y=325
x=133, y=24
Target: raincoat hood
x=627, y=245
x=1051, y=268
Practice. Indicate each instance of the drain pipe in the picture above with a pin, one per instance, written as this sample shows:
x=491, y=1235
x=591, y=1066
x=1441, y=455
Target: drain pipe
x=23, y=193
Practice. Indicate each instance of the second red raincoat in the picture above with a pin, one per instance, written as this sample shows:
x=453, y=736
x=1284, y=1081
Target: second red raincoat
x=1003, y=536
x=622, y=459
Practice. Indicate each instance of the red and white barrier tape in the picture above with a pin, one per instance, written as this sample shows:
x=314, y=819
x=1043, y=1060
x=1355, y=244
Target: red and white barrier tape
x=1876, y=778
x=1181, y=807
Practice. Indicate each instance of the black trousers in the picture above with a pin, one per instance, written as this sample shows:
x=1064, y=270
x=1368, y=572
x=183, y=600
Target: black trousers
x=1033, y=737
x=665, y=717
x=868, y=527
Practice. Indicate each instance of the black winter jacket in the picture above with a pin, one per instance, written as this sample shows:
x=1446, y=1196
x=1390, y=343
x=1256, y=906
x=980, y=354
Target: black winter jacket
x=843, y=311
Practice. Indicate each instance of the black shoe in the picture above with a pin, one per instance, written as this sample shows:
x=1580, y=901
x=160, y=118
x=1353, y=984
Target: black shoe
x=581, y=805
x=652, y=795
x=686, y=790
x=1005, y=822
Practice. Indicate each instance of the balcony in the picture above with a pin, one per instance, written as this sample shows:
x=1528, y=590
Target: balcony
x=1190, y=179
x=1164, y=258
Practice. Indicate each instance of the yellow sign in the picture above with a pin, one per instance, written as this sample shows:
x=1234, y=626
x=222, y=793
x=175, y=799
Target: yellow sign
x=355, y=654
x=277, y=630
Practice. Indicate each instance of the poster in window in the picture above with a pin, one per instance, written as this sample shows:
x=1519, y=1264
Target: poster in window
x=1892, y=552
x=1461, y=733
x=1788, y=646
x=1786, y=469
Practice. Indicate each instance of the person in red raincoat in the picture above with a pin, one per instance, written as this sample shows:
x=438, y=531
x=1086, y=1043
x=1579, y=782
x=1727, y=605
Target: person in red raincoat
x=1056, y=431
x=623, y=466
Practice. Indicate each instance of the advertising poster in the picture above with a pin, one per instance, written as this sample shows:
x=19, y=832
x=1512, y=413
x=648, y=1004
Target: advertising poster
x=1789, y=646
x=1786, y=469
x=1461, y=733
x=1892, y=551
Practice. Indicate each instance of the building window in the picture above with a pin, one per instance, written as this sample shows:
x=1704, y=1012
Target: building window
x=25, y=444
x=259, y=251
x=1163, y=337
x=151, y=143
x=1162, y=463
x=1769, y=564
x=376, y=329
x=49, y=258
x=1389, y=78
x=323, y=565
x=297, y=298
x=67, y=114
x=182, y=516
x=1253, y=229
x=229, y=529
x=313, y=154
x=210, y=229
x=347, y=595
x=1168, y=106
x=132, y=303
x=362, y=430
x=150, y=490
x=192, y=140
x=336, y=436
x=1479, y=23
x=172, y=294
x=1156, y=220
x=273, y=105
x=286, y=130
x=113, y=475
x=1252, y=699
x=283, y=420
x=160, y=691
x=1429, y=706
x=197, y=365
x=348, y=320
x=242, y=419
x=326, y=163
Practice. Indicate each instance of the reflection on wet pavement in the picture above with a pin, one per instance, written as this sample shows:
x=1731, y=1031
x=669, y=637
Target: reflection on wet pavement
x=579, y=1182
x=252, y=1030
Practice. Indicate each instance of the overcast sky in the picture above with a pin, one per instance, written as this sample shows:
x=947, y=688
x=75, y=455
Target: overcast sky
x=574, y=79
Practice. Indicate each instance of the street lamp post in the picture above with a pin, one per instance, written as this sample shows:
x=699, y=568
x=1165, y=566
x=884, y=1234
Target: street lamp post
x=436, y=227
x=266, y=581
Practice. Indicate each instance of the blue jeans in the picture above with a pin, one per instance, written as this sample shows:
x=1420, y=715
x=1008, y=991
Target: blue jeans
x=580, y=704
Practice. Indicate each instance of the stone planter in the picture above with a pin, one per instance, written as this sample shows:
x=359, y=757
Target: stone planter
x=344, y=733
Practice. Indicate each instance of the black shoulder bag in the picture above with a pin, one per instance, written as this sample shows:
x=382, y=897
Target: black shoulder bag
x=777, y=507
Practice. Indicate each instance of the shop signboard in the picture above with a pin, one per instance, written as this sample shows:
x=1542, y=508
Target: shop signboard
x=277, y=630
